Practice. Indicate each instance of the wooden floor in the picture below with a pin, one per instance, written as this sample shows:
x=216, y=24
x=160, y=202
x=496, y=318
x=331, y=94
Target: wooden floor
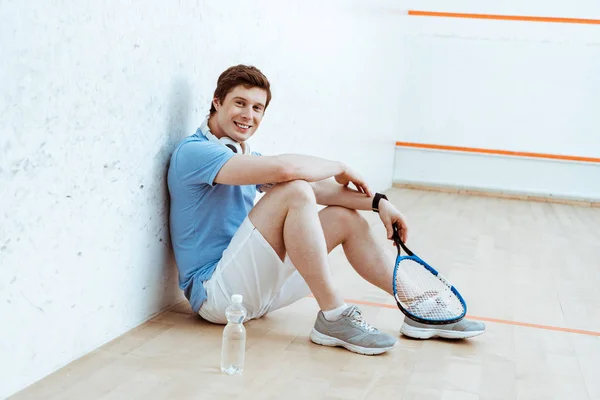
x=531, y=270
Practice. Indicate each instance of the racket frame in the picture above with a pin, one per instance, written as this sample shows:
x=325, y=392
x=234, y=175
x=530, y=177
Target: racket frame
x=411, y=256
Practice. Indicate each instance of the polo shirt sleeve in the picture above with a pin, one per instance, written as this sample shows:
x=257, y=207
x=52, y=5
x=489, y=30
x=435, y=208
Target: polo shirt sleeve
x=200, y=162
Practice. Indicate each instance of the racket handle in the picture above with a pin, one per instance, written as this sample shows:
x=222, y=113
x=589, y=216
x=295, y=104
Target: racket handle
x=398, y=241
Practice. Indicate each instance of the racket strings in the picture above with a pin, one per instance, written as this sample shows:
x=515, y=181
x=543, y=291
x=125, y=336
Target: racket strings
x=425, y=295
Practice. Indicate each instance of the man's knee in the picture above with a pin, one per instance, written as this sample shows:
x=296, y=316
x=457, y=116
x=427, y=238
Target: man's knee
x=298, y=191
x=349, y=219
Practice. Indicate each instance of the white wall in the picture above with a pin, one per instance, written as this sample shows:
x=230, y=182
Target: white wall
x=497, y=173
x=94, y=97
x=521, y=86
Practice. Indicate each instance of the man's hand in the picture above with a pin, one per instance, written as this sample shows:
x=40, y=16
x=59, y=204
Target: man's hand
x=390, y=215
x=348, y=176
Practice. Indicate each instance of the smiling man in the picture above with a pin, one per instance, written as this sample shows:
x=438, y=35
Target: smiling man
x=275, y=252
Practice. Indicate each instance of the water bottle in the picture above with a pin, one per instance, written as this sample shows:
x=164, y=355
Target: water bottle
x=234, y=337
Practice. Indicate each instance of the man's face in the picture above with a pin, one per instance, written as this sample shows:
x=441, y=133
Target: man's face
x=240, y=114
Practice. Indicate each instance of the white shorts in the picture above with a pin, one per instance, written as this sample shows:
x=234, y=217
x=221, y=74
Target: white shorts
x=252, y=268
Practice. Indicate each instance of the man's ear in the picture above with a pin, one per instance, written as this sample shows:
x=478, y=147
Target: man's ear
x=216, y=103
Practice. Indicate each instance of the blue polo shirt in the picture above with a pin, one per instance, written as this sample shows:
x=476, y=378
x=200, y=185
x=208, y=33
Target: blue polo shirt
x=204, y=215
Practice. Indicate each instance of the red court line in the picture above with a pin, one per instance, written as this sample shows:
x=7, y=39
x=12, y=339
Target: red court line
x=505, y=17
x=498, y=152
x=496, y=320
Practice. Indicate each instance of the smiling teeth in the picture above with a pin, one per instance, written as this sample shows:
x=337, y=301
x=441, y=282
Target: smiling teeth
x=243, y=126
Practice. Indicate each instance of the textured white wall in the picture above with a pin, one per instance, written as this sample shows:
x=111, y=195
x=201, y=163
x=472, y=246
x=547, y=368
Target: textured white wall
x=95, y=95
x=511, y=85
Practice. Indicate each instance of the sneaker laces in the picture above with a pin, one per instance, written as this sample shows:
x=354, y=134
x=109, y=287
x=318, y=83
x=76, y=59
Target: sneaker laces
x=357, y=318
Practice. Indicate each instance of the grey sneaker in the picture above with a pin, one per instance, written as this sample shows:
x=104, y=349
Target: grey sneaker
x=462, y=329
x=352, y=332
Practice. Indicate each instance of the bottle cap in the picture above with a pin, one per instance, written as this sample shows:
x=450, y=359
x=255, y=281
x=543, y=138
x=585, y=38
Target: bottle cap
x=237, y=298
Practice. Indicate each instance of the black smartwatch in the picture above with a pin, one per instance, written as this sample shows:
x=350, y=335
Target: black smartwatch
x=376, y=200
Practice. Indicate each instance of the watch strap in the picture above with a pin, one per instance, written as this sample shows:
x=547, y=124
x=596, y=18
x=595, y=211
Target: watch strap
x=376, y=200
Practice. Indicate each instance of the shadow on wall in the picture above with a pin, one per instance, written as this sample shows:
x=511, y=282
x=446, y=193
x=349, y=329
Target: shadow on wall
x=176, y=129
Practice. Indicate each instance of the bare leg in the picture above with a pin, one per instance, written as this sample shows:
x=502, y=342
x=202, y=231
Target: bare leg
x=287, y=218
x=348, y=228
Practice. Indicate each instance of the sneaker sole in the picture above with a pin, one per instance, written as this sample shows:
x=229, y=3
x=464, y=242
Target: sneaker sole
x=324, y=340
x=428, y=333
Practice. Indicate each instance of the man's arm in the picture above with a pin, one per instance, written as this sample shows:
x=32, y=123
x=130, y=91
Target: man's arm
x=255, y=170
x=329, y=193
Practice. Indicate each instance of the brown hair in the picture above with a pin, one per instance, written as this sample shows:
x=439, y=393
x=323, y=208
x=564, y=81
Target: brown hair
x=245, y=75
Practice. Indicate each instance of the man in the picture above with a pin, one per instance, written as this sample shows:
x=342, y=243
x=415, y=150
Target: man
x=275, y=252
